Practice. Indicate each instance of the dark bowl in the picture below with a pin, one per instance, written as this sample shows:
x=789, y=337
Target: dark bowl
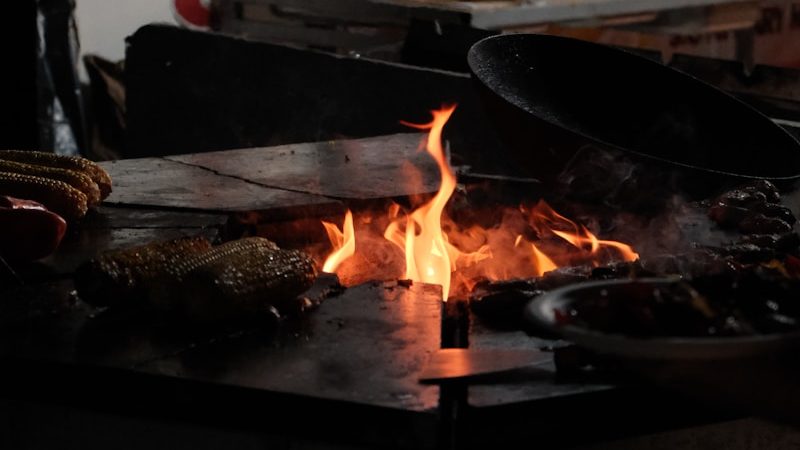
x=545, y=310
x=550, y=96
x=752, y=375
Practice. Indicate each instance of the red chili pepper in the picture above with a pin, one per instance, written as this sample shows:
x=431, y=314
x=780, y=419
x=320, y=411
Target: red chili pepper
x=28, y=231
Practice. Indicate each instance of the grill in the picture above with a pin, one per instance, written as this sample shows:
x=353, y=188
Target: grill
x=347, y=374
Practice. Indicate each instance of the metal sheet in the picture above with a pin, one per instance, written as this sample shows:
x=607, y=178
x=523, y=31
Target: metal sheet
x=461, y=363
x=366, y=346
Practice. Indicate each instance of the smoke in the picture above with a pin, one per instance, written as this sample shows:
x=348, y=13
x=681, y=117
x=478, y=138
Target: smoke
x=628, y=201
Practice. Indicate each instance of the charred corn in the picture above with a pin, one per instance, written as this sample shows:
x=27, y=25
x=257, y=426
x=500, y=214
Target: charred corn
x=120, y=276
x=57, y=196
x=220, y=253
x=247, y=284
x=76, y=179
x=234, y=280
x=164, y=290
x=76, y=163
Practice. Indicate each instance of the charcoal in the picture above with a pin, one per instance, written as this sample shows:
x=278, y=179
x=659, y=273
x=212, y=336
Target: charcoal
x=707, y=262
x=606, y=273
x=503, y=308
x=785, y=243
x=747, y=253
x=761, y=224
x=745, y=198
x=768, y=189
x=748, y=204
x=761, y=240
x=702, y=262
x=777, y=211
x=620, y=270
x=564, y=276
x=485, y=287
x=501, y=303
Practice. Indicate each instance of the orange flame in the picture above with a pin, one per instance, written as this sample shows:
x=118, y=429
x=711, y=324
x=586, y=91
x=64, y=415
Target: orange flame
x=344, y=244
x=459, y=258
x=543, y=263
x=581, y=237
x=429, y=257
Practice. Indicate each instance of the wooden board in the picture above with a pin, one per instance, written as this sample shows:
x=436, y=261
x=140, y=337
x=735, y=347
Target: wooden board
x=149, y=182
x=359, y=169
x=270, y=178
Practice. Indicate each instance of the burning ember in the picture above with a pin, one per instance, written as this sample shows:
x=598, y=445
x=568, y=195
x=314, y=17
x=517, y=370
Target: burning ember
x=528, y=241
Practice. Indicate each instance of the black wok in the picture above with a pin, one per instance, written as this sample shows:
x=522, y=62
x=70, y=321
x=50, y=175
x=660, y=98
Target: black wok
x=551, y=96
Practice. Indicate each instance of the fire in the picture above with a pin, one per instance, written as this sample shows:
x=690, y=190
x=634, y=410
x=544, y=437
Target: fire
x=544, y=217
x=429, y=258
x=541, y=262
x=344, y=243
x=437, y=250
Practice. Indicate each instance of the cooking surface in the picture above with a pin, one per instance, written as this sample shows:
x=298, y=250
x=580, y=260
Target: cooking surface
x=358, y=355
x=365, y=346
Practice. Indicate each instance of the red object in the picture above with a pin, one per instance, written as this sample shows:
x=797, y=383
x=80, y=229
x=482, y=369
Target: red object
x=28, y=231
x=193, y=13
x=561, y=318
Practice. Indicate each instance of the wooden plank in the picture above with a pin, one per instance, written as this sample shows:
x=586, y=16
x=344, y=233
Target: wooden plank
x=359, y=169
x=162, y=183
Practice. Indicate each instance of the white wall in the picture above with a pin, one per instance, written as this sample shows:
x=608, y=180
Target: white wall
x=103, y=25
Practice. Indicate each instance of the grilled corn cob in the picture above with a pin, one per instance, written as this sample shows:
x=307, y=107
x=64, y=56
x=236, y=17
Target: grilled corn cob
x=94, y=171
x=247, y=284
x=57, y=196
x=120, y=276
x=234, y=280
x=78, y=180
x=218, y=253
